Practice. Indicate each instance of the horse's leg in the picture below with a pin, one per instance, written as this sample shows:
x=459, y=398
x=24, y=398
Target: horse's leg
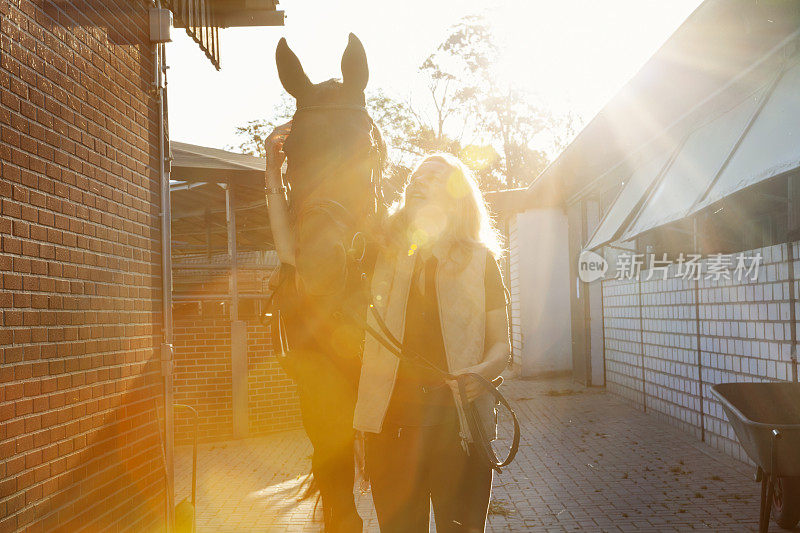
x=327, y=402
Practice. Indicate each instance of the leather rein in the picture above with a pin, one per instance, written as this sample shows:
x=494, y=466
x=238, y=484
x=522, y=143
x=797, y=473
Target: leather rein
x=472, y=429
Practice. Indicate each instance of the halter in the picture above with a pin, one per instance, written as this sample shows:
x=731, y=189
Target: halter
x=343, y=221
x=334, y=210
x=376, y=176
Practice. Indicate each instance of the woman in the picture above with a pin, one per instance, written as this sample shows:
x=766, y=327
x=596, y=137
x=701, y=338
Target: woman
x=437, y=287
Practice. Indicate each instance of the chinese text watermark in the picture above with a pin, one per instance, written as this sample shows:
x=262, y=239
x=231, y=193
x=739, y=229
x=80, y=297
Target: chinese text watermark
x=715, y=267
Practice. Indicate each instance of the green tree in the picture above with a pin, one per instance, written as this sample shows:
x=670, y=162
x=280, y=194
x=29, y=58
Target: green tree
x=513, y=122
x=408, y=137
x=398, y=124
x=485, y=163
x=255, y=132
x=504, y=134
x=452, y=73
x=466, y=89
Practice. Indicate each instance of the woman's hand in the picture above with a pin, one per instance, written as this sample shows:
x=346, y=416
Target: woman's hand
x=273, y=147
x=472, y=388
x=496, y=357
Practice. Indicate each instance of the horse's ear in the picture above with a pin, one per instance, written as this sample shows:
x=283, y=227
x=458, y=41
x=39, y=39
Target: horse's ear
x=290, y=71
x=355, y=72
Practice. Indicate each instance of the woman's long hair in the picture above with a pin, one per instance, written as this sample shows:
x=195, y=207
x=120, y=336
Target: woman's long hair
x=469, y=223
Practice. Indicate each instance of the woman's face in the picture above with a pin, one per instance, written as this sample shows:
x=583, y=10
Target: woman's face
x=428, y=203
x=427, y=187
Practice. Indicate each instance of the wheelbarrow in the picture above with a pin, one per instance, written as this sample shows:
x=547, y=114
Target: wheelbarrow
x=766, y=420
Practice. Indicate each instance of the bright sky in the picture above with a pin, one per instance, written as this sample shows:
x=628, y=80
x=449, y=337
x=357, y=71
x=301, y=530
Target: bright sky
x=575, y=54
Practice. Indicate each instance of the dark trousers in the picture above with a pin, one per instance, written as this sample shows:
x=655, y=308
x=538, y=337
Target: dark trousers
x=412, y=467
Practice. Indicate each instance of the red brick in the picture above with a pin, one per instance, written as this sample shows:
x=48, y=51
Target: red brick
x=79, y=214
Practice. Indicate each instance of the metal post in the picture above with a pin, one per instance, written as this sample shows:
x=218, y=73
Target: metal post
x=238, y=327
x=587, y=310
x=603, y=326
x=641, y=339
x=791, y=233
x=792, y=312
x=230, y=212
x=696, y=247
x=699, y=360
x=166, y=352
x=208, y=234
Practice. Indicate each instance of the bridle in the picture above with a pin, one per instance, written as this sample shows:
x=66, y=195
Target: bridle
x=353, y=243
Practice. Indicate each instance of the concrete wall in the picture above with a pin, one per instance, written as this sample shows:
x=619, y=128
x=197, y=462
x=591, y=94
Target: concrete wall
x=656, y=359
x=540, y=292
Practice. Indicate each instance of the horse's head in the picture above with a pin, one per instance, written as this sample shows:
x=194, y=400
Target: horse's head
x=334, y=157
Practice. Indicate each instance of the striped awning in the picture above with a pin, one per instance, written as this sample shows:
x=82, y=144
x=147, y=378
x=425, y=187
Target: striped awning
x=634, y=190
x=702, y=155
x=770, y=147
x=742, y=140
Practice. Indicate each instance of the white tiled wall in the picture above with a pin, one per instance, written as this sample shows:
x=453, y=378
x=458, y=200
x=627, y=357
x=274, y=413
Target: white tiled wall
x=514, y=289
x=623, y=352
x=651, y=355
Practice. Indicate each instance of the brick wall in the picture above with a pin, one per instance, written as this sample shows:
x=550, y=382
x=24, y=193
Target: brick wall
x=272, y=396
x=651, y=341
x=80, y=300
x=203, y=380
x=202, y=376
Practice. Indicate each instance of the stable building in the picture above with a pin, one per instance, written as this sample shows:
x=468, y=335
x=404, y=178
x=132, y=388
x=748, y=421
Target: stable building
x=697, y=155
x=222, y=259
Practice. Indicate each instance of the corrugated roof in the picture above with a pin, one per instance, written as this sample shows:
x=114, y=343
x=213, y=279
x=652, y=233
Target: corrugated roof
x=629, y=198
x=239, y=13
x=191, y=162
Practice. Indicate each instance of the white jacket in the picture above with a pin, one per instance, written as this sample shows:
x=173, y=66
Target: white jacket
x=462, y=311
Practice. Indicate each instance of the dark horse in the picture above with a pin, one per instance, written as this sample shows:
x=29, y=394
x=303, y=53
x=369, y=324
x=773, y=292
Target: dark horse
x=335, y=156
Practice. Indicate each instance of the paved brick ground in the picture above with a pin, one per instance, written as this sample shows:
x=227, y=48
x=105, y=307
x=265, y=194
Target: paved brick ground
x=587, y=462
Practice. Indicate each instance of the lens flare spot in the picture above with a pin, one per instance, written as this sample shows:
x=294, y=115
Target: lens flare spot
x=456, y=186
x=479, y=157
x=419, y=236
x=427, y=226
